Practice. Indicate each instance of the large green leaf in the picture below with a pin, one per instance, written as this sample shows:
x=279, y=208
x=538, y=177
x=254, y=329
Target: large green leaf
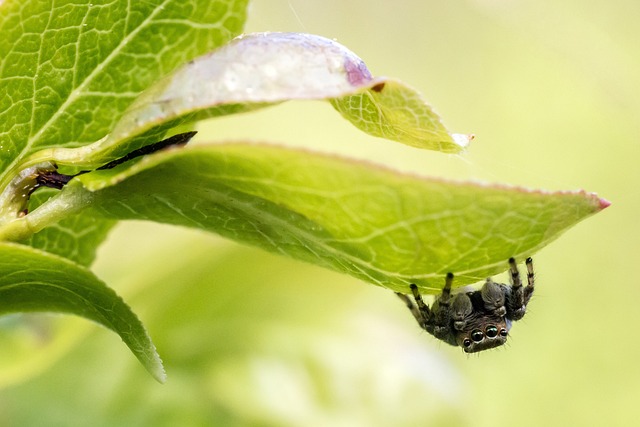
x=378, y=225
x=32, y=280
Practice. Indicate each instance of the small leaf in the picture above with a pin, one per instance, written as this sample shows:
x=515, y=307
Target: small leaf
x=32, y=280
x=250, y=72
x=378, y=225
x=257, y=70
x=392, y=110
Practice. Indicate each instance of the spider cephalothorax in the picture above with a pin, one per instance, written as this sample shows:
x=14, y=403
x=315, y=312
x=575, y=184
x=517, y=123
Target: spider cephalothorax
x=476, y=320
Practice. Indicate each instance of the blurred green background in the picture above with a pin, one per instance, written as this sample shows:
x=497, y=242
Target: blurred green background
x=552, y=92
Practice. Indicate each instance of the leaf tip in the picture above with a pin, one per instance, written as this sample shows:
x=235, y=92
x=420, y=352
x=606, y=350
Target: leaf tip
x=462, y=140
x=603, y=203
x=597, y=203
x=153, y=364
x=159, y=374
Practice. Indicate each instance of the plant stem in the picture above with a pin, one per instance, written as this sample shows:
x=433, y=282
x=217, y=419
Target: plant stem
x=72, y=199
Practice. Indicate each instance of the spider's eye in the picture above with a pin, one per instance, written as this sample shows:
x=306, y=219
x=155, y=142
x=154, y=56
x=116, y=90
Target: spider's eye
x=492, y=331
x=503, y=332
x=467, y=342
x=477, y=335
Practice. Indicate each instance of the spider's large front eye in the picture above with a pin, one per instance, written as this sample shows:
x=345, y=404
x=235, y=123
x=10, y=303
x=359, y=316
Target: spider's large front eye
x=492, y=331
x=477, y=335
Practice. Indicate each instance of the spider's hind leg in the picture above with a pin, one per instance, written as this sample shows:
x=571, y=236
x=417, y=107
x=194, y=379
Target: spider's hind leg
x=520, y=296
x=528, y=290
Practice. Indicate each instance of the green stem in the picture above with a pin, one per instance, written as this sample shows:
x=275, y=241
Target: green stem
x=72, y=199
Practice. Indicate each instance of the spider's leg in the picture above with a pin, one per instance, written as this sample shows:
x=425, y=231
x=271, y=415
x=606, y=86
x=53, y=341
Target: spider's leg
x=516, y=301
x=413, y=308
x=441, y=309
x=424, y=308
x=461, y=309
x=528, y=290
x=493, y=297
x=515, y=274
x=446, y=291
x=516, y=283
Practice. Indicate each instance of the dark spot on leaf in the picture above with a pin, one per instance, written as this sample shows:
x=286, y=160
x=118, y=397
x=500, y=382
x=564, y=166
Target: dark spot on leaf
x=378, y=87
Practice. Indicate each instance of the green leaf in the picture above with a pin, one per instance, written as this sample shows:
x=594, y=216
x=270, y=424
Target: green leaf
x=69, y=69
x=378, y=225
x=32, y=280
x=392, y=110
x=257, y=70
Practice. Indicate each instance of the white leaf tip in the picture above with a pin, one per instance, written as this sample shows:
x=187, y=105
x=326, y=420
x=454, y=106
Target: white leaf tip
x=462, y=140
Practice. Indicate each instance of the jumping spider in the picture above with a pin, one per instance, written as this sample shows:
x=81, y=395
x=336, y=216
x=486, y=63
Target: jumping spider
x=476, y=320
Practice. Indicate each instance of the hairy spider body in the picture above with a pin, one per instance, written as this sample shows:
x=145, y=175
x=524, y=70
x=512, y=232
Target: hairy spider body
x=476, y=320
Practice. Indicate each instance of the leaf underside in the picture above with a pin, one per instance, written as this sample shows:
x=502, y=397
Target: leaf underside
x=259, y=70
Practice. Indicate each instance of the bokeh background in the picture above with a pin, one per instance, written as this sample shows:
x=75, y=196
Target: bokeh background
x=551, y=90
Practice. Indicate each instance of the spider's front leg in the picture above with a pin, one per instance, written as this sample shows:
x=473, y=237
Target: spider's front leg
x=520, y=296
x=493, y=297
x=461, y=310
x=442, y=312
x=435, y=320
x=419, y=310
